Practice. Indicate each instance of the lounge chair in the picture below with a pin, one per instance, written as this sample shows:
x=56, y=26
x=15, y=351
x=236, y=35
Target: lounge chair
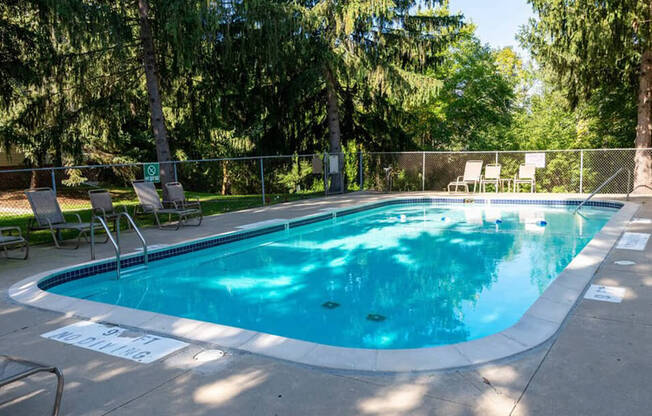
x=102, y=206
x=177, y=197
x=150, y=203
x=11, y=241
x=472, y=175
x=48, y=216
x=491, y=177
x=526, y=176
x=15, y=369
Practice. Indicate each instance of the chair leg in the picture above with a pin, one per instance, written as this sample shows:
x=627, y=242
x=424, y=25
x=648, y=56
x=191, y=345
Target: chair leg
x=157, y=220
x=54, y=237
x=59, y=392
x=23, y=247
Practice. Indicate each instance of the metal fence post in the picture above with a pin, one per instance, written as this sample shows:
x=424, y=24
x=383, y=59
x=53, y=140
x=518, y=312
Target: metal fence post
x=54, y=182
x=581, y=171
x=423, y=172
x=360, y=170
x=174, y=166
x=496, y=158
x=262, y=179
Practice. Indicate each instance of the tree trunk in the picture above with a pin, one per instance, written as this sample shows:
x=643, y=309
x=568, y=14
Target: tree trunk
x=334, y=134
x=153, y=93
x=225, y=177
x=37, y=178
x=643, y=158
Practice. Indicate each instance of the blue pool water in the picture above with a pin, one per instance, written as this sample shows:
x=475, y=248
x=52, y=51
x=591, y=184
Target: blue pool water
x=402, y=276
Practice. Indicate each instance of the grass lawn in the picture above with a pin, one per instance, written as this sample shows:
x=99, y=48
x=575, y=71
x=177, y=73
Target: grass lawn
x=77, y=202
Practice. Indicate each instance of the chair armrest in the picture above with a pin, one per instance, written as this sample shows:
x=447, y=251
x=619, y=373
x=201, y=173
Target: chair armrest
x=178, y=205
x=99, y=210
x=149, y=207
x=74, y=214
x=460, y=178
x=169, y=204
x=193, y=202
x=12, y=228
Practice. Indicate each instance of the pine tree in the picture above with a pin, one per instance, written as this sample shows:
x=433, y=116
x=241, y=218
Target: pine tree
x=599, y=45
x=384, y=48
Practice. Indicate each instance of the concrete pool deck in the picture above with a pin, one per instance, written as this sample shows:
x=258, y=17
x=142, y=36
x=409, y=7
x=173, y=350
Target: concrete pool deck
x=597, y=364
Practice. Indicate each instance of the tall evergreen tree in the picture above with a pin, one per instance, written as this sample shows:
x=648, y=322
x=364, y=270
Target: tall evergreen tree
x=384, y=48
x=599, y=46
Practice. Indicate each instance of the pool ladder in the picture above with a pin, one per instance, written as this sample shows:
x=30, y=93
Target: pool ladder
x=116, y=241
x=612, y=177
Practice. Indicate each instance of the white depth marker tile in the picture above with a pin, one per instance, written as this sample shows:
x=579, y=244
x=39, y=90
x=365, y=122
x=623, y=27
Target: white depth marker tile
x=605, y=293
x=112, y=340
x=624, y=262
x=633, y=241
x=641, y=221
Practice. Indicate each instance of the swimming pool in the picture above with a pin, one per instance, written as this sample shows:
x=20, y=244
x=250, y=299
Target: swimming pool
x=398, y=276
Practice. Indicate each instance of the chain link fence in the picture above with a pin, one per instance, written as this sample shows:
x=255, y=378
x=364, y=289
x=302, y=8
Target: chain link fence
x=238, y=183
x=558, y=171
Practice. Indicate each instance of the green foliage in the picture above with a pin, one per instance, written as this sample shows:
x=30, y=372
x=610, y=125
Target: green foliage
x=588, y=44
x=248, y=78
x=293, y=178
x=473, y=109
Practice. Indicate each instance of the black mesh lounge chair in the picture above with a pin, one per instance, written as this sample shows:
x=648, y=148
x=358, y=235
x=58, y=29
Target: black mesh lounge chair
x=102, y=206
x=150, y=203
x=11, y=238
x=15, y=369
x=177, y=197
x=48, y=216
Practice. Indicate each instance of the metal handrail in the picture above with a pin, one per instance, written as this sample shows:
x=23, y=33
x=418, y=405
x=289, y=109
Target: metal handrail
x=629, y=174
x=136, y=229
x=116, y=246
x=116, y=241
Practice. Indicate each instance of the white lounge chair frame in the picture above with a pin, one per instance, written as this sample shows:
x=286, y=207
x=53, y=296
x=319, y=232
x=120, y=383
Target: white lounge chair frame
x=491, y=177
x=472, y=175
x=526, y=176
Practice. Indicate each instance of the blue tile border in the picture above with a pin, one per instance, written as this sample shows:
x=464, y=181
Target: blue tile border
x=108, y=266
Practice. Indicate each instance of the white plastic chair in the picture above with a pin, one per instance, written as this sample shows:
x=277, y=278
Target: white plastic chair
x=491, y=176
x=472, y=175
x=526, y=176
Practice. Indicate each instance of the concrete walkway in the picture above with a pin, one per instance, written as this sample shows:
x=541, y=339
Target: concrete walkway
x=598, y=364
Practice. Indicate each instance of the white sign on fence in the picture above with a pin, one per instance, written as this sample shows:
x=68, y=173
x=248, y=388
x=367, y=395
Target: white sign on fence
x=633, y=241
x=333, y=164
x=115, y=341
x=536, y=159
x=605, y=293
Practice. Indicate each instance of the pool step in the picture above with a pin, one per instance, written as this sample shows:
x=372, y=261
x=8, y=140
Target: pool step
x=132, y=270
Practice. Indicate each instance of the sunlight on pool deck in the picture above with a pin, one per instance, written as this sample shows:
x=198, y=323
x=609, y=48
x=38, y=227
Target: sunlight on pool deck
x=598, y=364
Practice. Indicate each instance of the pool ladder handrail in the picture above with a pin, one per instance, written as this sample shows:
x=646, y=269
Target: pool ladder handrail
x=116, y=241
x=612, y=177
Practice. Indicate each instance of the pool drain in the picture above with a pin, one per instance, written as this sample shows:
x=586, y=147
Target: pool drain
x=330, y=305
x=625, y=262
x=208, y=355
x=375, y=317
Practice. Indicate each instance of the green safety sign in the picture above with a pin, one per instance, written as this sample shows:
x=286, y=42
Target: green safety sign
x=152, y=172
